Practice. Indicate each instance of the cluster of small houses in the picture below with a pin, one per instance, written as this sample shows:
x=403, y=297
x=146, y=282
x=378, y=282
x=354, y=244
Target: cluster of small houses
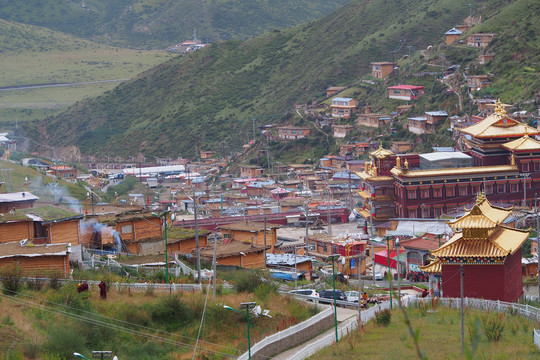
x=46, y=239
x=347, y=107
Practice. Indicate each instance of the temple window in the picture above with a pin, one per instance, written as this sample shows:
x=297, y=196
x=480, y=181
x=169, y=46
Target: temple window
x=536, y=166
x=437, y=192
x=463, y=191
x=489, y=189
x=412, y=214
x=437, y=212
x=513, y=187
x=424, y=193
x=450, y=192
x=525, y=167
x=411, y=194
x=501, y=188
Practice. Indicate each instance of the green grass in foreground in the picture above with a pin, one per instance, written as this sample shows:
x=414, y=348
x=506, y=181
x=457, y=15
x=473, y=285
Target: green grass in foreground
x=439, y=338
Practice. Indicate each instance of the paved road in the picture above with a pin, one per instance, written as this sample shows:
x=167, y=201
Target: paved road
x=343, y=314
x=38, y=86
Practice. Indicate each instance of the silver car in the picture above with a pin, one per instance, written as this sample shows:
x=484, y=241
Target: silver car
x=352, y=296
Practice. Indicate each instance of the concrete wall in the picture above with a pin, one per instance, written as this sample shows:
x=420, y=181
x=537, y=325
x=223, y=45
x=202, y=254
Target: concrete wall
x=298, y=338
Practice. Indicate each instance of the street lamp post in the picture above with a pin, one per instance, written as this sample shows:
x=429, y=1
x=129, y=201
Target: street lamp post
x=247, y=306
x=389, y=269
x=333, y=258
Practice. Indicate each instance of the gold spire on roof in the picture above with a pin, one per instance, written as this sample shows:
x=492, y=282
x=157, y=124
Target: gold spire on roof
x=499, y=109
x=480, y=197
x=398, y=163
x=381, y=153
x=483, y=215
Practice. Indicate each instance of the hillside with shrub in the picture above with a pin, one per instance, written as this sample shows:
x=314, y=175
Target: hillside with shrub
x=159, y=24
x=215, y=91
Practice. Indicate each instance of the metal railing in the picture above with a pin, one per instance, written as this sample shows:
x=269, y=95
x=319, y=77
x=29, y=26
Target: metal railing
x=291, y=331
x=525, y=310
x=528, y=311
x=343, y=329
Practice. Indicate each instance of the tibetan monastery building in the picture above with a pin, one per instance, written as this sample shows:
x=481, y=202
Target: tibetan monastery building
x=489, y=252
x=503, y=161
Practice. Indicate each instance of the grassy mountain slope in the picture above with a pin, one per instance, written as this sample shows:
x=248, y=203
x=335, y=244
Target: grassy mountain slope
x=159, y=23
x=213, y=93
x=34, y=55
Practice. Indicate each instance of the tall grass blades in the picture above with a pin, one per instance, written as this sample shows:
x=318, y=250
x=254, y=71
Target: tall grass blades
x=493, y=326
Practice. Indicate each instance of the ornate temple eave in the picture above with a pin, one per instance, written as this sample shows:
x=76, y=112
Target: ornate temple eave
x=453, y=171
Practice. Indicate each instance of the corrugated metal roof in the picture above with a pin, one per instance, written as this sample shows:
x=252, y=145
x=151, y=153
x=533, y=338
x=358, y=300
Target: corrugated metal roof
x=435, y=156
x=286, y=259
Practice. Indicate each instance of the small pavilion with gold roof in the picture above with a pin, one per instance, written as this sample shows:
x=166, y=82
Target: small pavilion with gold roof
x=489, y=250
x=485, y=140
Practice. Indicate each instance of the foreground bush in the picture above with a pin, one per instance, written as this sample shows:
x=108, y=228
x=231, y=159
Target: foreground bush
x=247, y=281
x=171, y=312
x=11, y=277
x=383, y=317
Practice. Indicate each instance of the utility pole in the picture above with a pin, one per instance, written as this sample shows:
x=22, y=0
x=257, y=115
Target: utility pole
x=328, y=217
x=372, y=237
x=360, y=287
x=307, y=235
x=409, y=47
x=9, y=182
x=470, y=15
x=253, y=122
x=214, y=268
x=537, y=238
x=525, y=176
x=265, y=237
x=462, y=311
x=197, y=238
x=350, y=193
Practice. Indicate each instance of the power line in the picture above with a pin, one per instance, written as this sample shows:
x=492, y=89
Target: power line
x=109, y=324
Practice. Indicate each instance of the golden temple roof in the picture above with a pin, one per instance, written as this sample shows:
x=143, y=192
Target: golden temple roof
x=483, y=215
x=504, y=241
x=524, y=143
x=365, y=176
x=435, y=267
x=381, y=153
x=453, y=171
x=499, y=125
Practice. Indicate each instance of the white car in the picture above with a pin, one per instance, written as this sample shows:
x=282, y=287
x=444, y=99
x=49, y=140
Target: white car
x=378, y=276
x=352, y=296
x=306, y=292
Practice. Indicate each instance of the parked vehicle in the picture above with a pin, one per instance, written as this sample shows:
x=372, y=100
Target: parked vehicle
x=352, y=296
x=305, y=292
x=329, y=294
x=378, y=276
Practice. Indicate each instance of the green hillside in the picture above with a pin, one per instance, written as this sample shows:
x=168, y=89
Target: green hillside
x=213, y=93
x=161, y=23
x=33, y=55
